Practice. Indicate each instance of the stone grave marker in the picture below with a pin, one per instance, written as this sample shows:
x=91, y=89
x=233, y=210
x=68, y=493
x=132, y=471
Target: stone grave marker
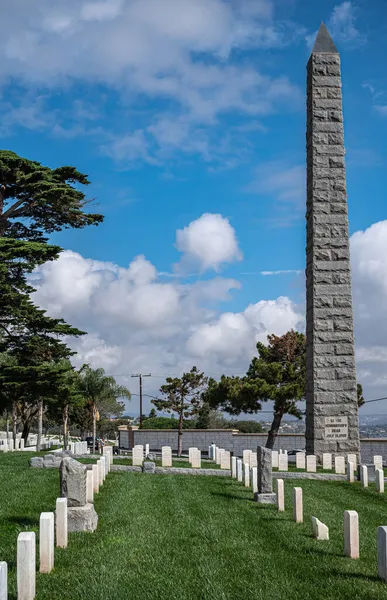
x=283, y=462
x=300, y=460
x=196, y=459
x=253, y=460
x=298, y=513
x=233, y=467
x=46, y=542
x=26, y=565
x=379, y=480
x=327, y=461
x=137, y=456
x=350, y=472
x=340, y=465
x=311, y=463
x=246, y=468
x=3, y=580
x=364, y=475
x=254, y=479
x=246, y=456
x=353, y=459
x=378, y=462
x=351, y=533
x=382, y=553
x=81, y=515
x=265, y=493
x=320, y=531
x=225, y=459
x=166, y=456
x=274, y=459
x=61, y=523
x=239, y=470
x=280, y=495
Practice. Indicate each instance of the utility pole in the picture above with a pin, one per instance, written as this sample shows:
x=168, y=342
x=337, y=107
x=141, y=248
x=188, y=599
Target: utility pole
x=140, y=376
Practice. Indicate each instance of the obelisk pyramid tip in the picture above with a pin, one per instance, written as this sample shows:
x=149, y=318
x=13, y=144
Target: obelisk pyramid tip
x=324, y=42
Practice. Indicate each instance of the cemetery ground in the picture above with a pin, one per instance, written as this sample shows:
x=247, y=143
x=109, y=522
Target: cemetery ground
x=175, y=537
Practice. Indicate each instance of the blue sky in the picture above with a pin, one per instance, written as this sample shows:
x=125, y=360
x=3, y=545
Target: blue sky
x=179, y=109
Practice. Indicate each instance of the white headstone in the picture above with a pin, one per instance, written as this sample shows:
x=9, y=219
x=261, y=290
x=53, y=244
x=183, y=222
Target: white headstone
x=379, y=480
x=210, y=452
x=246, y=467
x=246, y=456
x=95, y=478
x=3, y=581
x=253, y=460
x=274, y=459
x=254, y=479
x=100, y=472
x=196, y=459
x=350, y=472
x=298, y=513
x=166, y=456
x=61, y=522
x=340, y=465
x=26, y=569
x=239, y=470
x=351, y=533
x=364, y=475
x=213, y=452
x=147, y=450
x=311, y=465
x=378, y=461
x=137, y=456
x=190, y=453
x=10, y=445
x=104, y=466
x=225, y=459
x=89, y=486
x=46, y=542
x=353, y=459
x=320, y=531
x=282, y=462
x=280, y=495
x=21, y=444
x=300, y=460
x=382, y=553
x=233, y=467
x=327, y=461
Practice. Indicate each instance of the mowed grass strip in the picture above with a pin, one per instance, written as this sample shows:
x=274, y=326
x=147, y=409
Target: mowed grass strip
x=168, y=537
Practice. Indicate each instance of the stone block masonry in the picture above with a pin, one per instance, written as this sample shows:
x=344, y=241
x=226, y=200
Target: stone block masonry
x=331, y=400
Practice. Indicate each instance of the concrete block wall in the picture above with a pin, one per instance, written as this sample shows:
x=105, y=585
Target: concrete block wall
x=232, y=440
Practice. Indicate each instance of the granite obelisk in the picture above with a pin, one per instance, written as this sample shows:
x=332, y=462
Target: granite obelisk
x=331, y=400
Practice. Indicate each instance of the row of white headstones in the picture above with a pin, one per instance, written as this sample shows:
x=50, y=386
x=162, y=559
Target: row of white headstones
x=53, y=532
x=243, y=472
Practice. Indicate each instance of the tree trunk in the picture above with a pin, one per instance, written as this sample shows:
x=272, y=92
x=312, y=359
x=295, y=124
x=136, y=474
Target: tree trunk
x=278, y=414
x=180, y=436
x=65, y=424
x=26, y=431
x=14, y=421
x=94, y=426
x=40, y=425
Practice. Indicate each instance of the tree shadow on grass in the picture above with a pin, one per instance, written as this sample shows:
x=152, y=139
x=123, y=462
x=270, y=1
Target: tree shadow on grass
x=321, y=552
x=229, y=496
x=24, y=521
x=362, y=576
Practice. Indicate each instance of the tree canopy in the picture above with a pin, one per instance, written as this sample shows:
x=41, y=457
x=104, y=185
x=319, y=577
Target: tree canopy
x=36, y=200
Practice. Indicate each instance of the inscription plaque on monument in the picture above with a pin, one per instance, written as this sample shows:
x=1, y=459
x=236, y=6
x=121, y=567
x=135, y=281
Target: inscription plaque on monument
x=336, y=428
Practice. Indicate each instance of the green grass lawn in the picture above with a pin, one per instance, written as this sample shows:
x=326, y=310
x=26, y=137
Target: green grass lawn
x=176, y=537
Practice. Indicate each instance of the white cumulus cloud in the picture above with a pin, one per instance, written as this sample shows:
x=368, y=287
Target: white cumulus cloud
x=208, y=242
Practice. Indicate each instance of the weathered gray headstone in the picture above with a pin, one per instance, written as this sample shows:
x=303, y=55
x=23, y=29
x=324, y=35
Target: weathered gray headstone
x=73, y=482
x=148, y=467
x=265, y=493
x=331, y=400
